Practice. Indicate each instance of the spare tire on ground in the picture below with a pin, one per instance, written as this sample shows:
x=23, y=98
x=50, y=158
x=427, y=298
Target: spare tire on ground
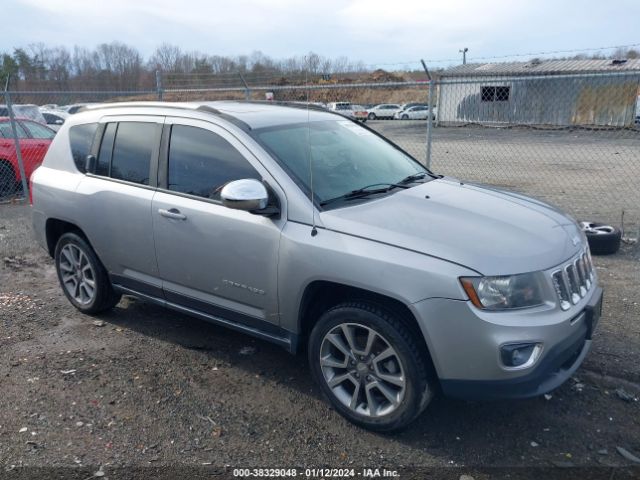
x=603, y=239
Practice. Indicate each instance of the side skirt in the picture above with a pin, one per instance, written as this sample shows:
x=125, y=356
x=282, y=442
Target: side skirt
x=276, y=335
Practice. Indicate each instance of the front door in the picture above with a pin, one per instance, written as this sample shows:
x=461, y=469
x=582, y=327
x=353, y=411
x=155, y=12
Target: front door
x=211, y=258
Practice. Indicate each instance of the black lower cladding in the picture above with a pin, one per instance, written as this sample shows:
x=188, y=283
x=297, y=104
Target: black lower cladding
x=206, y=311
x=554, y=369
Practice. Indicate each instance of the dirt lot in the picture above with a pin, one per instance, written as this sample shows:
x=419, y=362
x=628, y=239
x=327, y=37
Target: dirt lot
x=146, y=387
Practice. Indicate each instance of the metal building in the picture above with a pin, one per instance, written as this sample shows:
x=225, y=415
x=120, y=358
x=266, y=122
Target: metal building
x=541, y=92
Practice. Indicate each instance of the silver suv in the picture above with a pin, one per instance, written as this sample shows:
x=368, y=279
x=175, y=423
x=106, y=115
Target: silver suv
x=312, y=231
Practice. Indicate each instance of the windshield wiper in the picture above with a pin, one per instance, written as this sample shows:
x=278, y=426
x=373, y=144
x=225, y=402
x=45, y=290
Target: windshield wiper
x=413, y=178
x=363, y=192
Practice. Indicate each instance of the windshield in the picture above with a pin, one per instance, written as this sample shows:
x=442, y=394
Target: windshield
x=345, y=156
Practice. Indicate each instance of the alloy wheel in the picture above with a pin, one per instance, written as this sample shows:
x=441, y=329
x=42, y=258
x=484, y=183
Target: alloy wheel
x=362, y=369
x=78, y=276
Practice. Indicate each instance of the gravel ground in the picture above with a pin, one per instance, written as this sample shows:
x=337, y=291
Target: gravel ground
x=148, y=388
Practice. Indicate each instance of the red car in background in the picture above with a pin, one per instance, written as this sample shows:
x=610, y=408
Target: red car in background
x=34, y=140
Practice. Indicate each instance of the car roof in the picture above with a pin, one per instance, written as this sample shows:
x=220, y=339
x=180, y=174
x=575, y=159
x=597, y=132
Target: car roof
x=250, y=115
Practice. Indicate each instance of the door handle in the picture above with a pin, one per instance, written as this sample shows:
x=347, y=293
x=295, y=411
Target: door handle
x=173, y=213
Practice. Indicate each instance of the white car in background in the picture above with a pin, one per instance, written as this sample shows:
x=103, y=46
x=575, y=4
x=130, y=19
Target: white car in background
x=358, y=112
x=384, y=110
x=54, y=118
x=347, y=109
x=339, y=107
x=28, y=110
x=420, y=112
x=74, y=108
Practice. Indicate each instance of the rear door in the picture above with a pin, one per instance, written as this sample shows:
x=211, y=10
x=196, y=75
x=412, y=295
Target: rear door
x=117, y=200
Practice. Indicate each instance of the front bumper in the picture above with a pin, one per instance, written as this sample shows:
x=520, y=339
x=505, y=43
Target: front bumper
x=471, y=369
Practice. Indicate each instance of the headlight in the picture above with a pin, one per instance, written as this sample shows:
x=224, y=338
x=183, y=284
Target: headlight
x=505, y=292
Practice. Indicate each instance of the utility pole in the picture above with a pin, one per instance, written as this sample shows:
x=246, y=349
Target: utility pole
x=464, y=55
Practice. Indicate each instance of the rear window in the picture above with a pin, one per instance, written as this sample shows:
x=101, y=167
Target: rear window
x=39, y=131
x=7, y=132
x=132, y=150
x=81, y=139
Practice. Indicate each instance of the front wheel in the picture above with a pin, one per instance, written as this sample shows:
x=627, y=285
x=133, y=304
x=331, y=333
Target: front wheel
x=83, y=279
x=368, y=365
x=405, y=117
x=371, y=116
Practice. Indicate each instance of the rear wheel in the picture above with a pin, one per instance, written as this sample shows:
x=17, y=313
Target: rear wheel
x=371, y=116
x=82, y=276
x=405, y=117
x=368, y=365
x=8, y=179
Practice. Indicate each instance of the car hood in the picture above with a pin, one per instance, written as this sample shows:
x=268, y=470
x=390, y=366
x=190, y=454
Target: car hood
x=490, y=231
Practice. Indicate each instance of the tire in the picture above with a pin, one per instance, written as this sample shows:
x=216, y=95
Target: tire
x=603, y=239
x=359, y=395
x=8, y=179
x=371, y=116
x=405, y=117
x=77, y=264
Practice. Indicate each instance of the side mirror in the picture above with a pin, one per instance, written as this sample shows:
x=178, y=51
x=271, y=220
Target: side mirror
x=90, y=164
x=59, y=121
x=246, y=194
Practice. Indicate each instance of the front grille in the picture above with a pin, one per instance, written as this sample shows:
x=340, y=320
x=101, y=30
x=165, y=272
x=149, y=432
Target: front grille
x=573, y=280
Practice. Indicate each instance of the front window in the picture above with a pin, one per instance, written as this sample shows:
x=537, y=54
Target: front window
x=344, y=157
x=202, y=162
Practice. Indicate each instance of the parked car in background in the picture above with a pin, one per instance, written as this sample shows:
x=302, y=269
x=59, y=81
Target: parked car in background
x=29, y=111
x=384, y=110
x=406, y=106
x=355, y=112
x=34, y=140
x=73, y=108
x=339, y=106
x=54, y=118
x=420, y=112
x=358, y=112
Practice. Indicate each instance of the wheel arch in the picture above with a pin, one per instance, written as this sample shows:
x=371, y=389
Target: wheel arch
x=55, y=228
x=320, y=295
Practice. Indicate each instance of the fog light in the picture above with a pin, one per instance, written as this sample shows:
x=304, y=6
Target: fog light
x=520, y=355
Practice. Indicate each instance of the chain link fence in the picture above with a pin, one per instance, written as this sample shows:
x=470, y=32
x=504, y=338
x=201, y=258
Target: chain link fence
x=571, y=140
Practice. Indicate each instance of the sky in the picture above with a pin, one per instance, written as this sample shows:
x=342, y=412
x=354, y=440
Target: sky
x=374, y=31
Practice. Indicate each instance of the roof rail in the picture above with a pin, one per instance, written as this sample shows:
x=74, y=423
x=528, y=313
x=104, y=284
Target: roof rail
x=177, y=106
x=141, y=104
x=225, y=116
x=284, y=103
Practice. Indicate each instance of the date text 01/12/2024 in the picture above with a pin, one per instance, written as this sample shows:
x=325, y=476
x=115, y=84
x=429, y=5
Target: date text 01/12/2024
x=316, y=472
